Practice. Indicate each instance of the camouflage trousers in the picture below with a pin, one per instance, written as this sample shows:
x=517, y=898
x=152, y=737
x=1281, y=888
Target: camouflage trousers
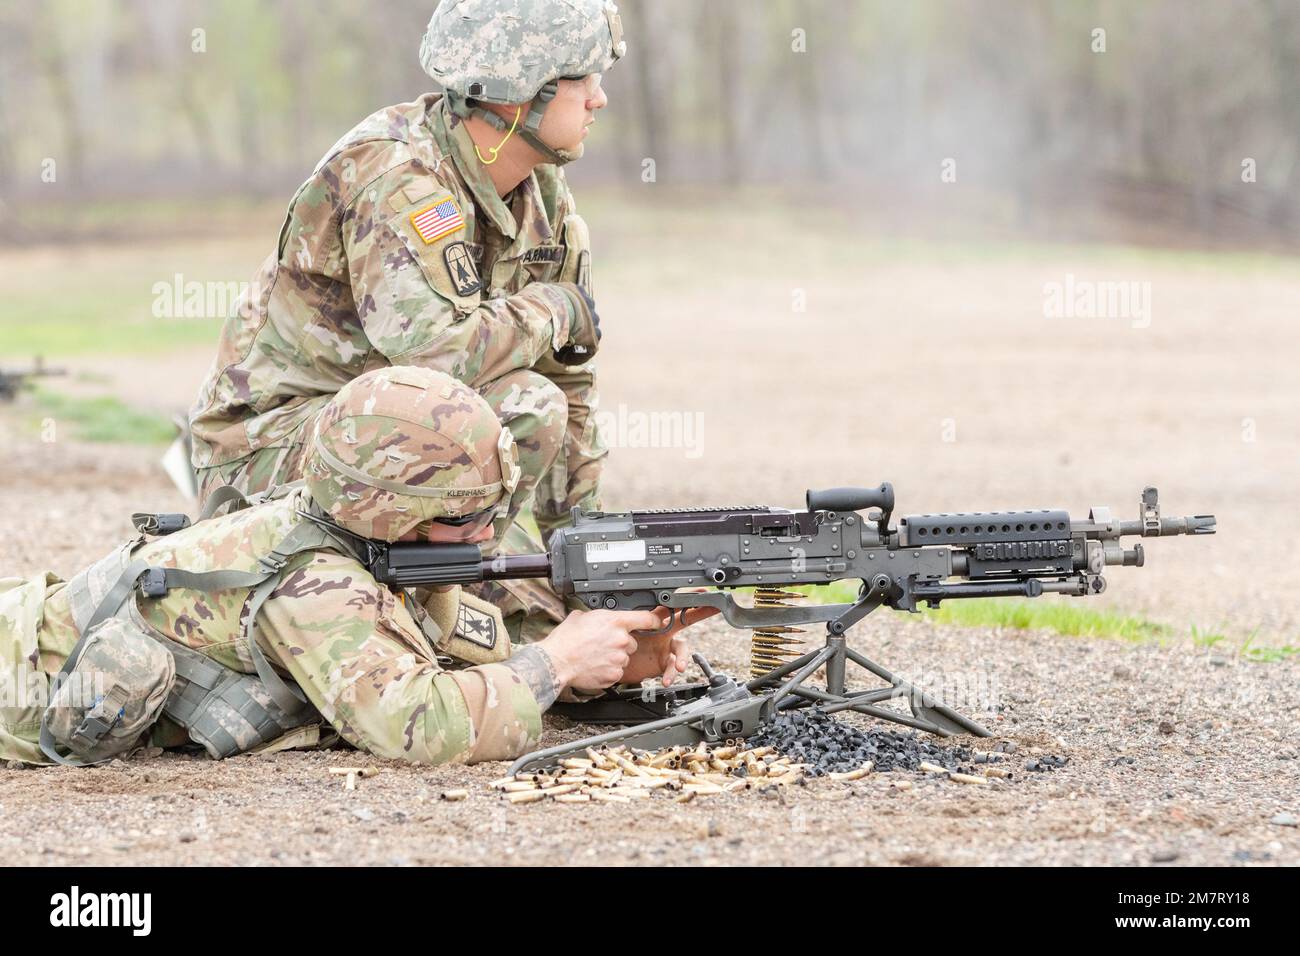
x=550, y=411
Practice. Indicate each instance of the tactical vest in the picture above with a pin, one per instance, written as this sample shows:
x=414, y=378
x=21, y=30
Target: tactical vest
x=226, y=711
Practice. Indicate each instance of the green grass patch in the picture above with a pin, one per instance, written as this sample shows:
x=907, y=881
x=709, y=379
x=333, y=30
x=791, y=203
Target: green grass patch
x=1265, y=655
x=1048, y=614
x=1060, y=616
x=100, y=419
x=1270, y=655
x=76, y=321
x=1205, y=638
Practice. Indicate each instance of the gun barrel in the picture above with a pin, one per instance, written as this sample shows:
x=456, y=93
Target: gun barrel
x=1192, y=524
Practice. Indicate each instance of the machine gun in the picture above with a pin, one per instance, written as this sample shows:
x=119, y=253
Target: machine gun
x=11, y=382
x=643, y=559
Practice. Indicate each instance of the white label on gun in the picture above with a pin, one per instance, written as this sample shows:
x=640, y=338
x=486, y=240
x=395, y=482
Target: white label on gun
x=615, y=551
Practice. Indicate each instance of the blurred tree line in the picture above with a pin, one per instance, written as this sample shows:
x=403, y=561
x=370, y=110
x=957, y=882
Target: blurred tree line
x=1182, y=111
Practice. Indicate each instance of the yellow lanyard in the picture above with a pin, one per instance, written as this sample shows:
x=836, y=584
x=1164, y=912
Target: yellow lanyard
x=497, y=148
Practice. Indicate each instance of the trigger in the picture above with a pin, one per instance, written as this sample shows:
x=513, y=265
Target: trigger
x=672, y=612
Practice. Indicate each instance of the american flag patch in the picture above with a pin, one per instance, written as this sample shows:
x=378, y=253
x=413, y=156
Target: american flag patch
x=434, y=222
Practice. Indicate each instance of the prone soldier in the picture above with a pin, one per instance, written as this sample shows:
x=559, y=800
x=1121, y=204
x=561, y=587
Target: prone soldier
x=256, y=627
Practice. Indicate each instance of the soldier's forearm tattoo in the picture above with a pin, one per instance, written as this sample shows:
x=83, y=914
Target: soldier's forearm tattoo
x=535, y=668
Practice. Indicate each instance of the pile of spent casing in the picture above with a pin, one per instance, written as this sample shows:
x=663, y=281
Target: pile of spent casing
x=621, y=774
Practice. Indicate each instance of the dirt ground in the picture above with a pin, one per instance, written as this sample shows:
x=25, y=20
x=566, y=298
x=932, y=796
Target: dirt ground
x=809, y=363
x=1131, y=794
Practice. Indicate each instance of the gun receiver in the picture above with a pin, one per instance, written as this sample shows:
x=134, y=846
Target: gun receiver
x=641, y=559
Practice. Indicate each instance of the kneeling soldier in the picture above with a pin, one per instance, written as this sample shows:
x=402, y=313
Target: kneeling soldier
x=258, y=627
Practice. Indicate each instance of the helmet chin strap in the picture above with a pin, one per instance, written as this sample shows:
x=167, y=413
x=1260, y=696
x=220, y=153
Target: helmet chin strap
x=531, y=133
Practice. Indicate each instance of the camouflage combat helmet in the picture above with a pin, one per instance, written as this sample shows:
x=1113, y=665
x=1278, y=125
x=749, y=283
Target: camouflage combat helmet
x=514, y=51
x=399, y=446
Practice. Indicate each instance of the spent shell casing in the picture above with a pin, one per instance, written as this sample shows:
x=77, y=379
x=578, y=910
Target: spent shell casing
x=854, y=774
x=967, y=778
x=573, y=798
x=519, y=786
x=454, y=794
x=931, y=768
x=1000, y=772
x=703, y=788
x=526, y=796
x=561, y=790
x=630, y=768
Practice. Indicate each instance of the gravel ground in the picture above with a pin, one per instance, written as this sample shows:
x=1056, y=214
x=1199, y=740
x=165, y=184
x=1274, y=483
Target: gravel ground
x=1173, y=754
x=1174, y=757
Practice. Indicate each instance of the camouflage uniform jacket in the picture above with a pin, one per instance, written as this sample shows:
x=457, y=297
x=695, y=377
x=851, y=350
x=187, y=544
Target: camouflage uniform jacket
x=349, y=643
x=397, y=250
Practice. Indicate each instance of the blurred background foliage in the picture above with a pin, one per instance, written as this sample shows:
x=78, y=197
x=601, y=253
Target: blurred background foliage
x=1143, y=142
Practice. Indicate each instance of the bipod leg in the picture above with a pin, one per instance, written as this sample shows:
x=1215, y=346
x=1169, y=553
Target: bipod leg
x=810, y=663
x=945, y=720
x=830, y=704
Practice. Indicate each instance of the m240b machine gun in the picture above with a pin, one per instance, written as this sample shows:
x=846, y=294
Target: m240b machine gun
x=13, y=381
x=647, y=559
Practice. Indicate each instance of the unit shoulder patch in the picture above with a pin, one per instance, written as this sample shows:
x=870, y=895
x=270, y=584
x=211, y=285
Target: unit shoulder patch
x=461, y=269
x=476, y=626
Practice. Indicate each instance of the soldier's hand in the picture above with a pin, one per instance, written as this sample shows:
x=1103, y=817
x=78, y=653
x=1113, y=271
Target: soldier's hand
x=584, y=330
x=665, y=655
x=591, y=649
